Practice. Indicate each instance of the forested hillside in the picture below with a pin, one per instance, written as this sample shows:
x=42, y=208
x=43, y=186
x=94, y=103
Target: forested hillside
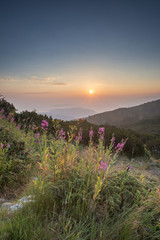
x=137, y=118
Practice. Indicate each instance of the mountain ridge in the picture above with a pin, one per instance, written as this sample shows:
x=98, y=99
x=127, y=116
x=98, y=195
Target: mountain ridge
x=122, y=117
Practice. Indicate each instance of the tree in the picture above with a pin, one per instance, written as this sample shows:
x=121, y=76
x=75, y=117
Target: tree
x=6, y=107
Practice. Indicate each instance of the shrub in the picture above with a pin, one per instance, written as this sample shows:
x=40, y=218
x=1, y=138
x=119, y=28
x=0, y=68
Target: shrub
x=16, y=155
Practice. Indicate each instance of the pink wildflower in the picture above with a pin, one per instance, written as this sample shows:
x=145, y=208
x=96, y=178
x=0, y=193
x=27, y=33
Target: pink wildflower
x=101, y=132
x=44, y=125
x=128, y=168
x=91, y=133
x=62, y=134
x=113, y=139
x=79, y=137
x=120, y=145
x=103, y=166
x=37, y=135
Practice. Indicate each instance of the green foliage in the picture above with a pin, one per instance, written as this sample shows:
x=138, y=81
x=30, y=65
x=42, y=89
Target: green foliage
x=6, y=106
x=149, y=126
x=120, y=192
x=16, y=155
x=146, y=218
x=134, y=147
x=32, y=120
x=29, y=227
x=79, y=194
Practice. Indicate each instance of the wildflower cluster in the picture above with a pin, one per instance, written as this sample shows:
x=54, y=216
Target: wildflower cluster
x=79, y=137
x=2, y=145
x=2, y=115
x=113, y=140
x=101, y=133
x=103, y=166
x=61, y=134
x=37, y=135
x=120, y=146
x=9, y=117
x=44, y=125
x=91, y=133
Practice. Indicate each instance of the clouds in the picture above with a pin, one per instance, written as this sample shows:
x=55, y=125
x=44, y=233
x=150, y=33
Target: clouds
x=48, y=80
x=34, y=80
x=40, y=93
x=8, y=79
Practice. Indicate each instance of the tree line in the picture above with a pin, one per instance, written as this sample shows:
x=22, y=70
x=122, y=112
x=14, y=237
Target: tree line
x=137, y=145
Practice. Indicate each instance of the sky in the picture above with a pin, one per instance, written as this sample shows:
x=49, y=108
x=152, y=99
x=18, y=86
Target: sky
x=53, y=52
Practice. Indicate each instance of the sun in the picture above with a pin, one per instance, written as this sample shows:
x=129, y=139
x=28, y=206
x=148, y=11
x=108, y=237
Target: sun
x=91, y=91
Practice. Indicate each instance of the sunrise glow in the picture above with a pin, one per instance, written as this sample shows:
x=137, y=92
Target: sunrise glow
x=90, y=91
x=58, y=59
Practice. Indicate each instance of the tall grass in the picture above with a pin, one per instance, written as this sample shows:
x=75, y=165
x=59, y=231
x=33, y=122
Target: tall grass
x=80, y=195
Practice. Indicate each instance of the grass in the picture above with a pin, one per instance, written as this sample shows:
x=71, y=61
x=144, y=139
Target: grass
x=82, y=194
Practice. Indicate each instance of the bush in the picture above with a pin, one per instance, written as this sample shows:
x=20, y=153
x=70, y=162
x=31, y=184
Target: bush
x=16, y=155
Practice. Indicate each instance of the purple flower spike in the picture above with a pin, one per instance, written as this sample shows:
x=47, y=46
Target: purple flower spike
x=61, y=134
x=12, y=119
x=79, y=137
x=113, y=139
x=101, y=133
x=37, y=135
x=103, y=166
x=120, y=145
x=44, y=125
x=101, y=130
x=91, y=133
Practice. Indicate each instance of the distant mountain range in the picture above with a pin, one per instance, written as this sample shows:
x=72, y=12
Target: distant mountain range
x=68, y=114
x=144, y=118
